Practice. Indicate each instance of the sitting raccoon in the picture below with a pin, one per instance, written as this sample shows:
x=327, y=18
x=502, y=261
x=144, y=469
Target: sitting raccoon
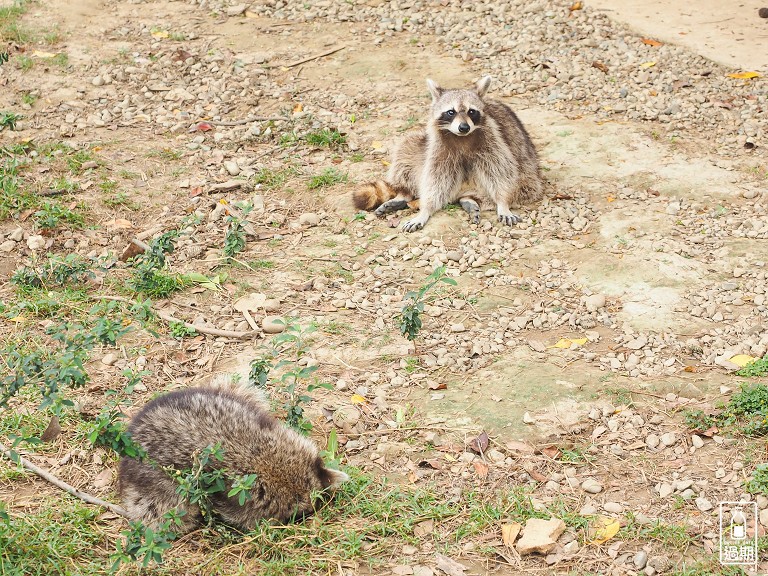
x=174, y=427
x=470, y=142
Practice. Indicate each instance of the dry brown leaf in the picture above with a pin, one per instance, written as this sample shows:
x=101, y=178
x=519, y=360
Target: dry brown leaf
x=551, y=452
x=650, y=42
x=509, y=533
x=516, y=446
x=479, y=444
x=600, y=66
x=103, y=479
x=52, y=431
x=538, y=476
x=433, y=463
x=481, y=468
x=576, y=6
x=437, y=385
x=424, y=528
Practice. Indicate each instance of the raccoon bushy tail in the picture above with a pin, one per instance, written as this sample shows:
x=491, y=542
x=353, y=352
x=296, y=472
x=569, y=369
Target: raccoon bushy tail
x=372, y=195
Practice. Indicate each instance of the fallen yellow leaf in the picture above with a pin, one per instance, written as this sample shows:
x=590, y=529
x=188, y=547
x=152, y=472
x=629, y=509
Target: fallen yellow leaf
x=450, y=458
x=647, y=64
x=741, y=360
x=38, y=54
x=611, y=198
x=298, y=108
x=160, y=34
x=376, y=144
x=577, y=6
x=566, y=343
x=650, y=42
x=357, y=399
x=745, y=75
x=602, y=529
x=509, y=533
x=18, y=319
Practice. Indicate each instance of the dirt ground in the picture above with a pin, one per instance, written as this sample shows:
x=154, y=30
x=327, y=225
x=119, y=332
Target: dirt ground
x=578, y=424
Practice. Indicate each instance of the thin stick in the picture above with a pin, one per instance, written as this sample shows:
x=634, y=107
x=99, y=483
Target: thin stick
x=45, y=475
x=201, y=329
x=309, y=59
x=245, y=120
x=205, y=329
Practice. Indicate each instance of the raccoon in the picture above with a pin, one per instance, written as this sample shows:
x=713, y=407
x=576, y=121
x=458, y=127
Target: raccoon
x=174, y=427
x=469, y=141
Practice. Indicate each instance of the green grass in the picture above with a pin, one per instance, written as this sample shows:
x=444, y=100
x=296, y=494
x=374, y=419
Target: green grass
x=9, y=119
x=329, y=177
x=261, y=264
x=272, y=179
x=63, y=537
x=53, y=215
x=24, y=63
x=120, y=199
x=746, y=413
x=76, y=160
x=11, y=29
x=13, y=195
x=325, y=137
x=29, y=98
x=166, y=154
x=755, y=369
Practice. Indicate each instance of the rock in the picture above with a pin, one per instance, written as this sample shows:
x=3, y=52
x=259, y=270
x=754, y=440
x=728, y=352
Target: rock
x=540, y=535
x=591, y=486
x=703, y=504
x=272, y=325
x=640, y=559
x=236, y=10
x=668, y=439
x=594, y=302
x=345, y=417
x=17, y=235
x=309, y=219
x=36, y=242
x=109, y=359
x=764, y=517
x=8, y=246
x=660, y=563
x=665, y=490
x=697, y=441
x=652, y=441
x=231, y=167
x=528, y=419
x=271, y=305
x=613, y=507
x=458, y=327
x=762, y=501
x=588, y=510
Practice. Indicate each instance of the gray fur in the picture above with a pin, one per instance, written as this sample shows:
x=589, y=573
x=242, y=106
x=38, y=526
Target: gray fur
x=175, y=426
x=491, y=153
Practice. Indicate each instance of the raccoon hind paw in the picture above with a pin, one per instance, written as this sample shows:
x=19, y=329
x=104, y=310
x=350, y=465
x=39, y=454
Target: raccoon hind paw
x=509, y=219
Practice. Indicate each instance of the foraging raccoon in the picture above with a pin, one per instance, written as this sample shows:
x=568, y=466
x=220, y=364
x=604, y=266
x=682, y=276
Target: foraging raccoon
x=468, y=141
x=174, y=427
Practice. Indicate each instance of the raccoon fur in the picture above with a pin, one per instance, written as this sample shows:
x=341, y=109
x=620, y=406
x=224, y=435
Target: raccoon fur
x=174, y=427
x=469, y=142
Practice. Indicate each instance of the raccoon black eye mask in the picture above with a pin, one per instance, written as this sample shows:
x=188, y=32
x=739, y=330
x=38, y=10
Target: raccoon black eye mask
x=178, y=425
x=473, y=150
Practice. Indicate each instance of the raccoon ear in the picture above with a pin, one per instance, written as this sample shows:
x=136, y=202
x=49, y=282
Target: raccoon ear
x=482, y=85
x=335, y=477
x=434, y=89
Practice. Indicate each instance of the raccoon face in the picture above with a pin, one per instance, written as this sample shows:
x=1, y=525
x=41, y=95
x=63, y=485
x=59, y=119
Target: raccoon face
x=458, y=111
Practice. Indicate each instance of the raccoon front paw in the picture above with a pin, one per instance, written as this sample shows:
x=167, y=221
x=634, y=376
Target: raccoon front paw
x=413, y=225
x=509, y=219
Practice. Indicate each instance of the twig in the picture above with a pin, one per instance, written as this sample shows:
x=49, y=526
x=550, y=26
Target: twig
x=205, y=329
x=308, y=59
x=201, y=329
x=45, y=475
x=245, y=120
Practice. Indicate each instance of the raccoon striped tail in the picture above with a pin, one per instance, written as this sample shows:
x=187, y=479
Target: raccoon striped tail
x=372, y=195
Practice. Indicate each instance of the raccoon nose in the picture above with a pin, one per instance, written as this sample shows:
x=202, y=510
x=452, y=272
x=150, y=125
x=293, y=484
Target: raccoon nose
x=463, y=127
